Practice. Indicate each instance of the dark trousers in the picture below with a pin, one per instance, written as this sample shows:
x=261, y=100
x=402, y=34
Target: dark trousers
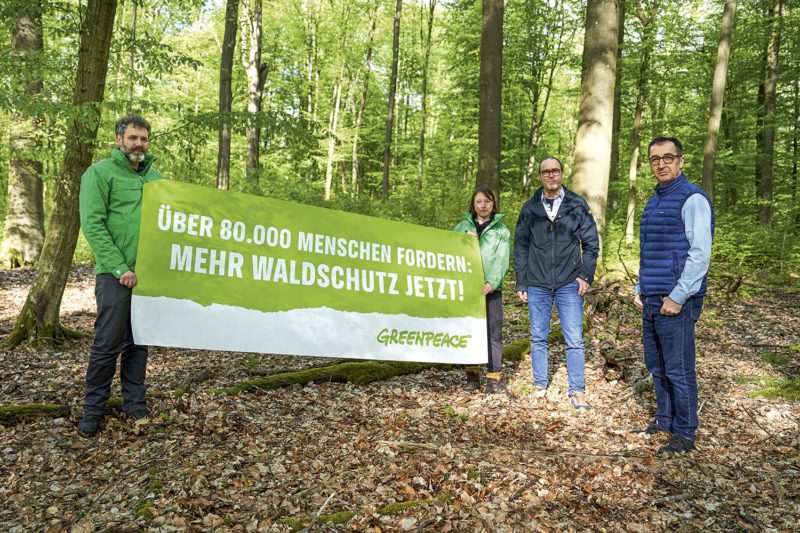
x=113, y=336
x=669, y=353
x=494, y=327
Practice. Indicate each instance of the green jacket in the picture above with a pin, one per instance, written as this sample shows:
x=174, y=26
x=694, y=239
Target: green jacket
x=494, y=245
x=111, y=210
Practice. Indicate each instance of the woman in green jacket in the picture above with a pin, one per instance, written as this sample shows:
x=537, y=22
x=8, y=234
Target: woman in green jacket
x=484, y=223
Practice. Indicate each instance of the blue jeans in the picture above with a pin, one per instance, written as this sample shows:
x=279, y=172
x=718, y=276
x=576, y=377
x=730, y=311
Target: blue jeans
x=669, y=354
x=570, y=312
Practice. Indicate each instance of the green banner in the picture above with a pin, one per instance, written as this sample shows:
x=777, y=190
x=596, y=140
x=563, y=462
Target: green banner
x=231, y=271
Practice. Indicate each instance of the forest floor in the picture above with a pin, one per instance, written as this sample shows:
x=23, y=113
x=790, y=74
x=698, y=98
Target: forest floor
x=413, y=453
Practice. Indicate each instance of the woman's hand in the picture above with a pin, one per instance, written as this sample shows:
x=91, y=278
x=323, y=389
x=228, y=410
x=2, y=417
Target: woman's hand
x=487, y=288
x=473, y=234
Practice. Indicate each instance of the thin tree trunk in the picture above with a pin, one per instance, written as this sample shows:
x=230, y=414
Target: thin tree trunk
x=490, y=99
x=332, y=124
x=596, y=110
x=362, y=103
x=421, y=163
x=133, y=58
x=717, y=96
x=23, y=235
x=38, y=321
x=225, y=94
x=770, y=90
x=387, y=148
x=615, y=128
x=256, y=77
x=648, y=30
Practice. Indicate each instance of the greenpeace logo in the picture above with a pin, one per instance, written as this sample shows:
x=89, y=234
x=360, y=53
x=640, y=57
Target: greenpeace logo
x=437, y=339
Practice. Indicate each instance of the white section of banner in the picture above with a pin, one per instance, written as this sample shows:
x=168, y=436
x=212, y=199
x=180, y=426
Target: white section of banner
x=321, y=332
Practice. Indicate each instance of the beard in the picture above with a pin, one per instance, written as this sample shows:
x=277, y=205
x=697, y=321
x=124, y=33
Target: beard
x=135, y=157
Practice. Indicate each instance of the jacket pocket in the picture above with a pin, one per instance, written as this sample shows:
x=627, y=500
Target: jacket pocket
x=125, y=192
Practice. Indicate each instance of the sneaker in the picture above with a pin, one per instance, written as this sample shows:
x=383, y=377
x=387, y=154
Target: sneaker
x=677, y=444
x=538, y=392
x=578, y=401
x=89, y=425
x=139, y=414
x=473, y=382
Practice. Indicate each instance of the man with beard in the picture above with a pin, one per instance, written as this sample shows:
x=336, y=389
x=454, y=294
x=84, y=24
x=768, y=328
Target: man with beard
x=110, y=208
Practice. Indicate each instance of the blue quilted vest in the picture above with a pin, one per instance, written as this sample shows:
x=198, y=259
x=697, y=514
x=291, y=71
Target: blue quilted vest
x=662, y=238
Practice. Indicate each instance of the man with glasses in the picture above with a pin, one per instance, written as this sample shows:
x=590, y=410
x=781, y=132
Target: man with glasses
x=555, y=255
x=675, y=235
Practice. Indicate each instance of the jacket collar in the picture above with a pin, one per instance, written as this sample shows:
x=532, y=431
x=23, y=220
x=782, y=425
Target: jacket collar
x=495, y=219
x=566, y=203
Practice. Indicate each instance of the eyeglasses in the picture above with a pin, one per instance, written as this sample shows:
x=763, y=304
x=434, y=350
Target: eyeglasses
x=552, y=173
x=668, y=159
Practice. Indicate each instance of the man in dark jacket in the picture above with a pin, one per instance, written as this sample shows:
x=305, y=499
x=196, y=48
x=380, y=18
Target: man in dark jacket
x=555, y=255
x=675, y=235
x=110, y=208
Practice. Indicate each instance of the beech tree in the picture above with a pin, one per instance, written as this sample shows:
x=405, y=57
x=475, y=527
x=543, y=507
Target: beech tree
x=225, y=94
x=38, y=322
x=490, y=100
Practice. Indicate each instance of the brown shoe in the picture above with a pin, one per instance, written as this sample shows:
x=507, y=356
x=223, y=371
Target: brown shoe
x=473, y=379
x=493, y=384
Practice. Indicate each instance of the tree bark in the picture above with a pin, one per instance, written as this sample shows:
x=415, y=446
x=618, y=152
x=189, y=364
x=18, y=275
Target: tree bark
x=38, y=323
x=387, y=147
x=256, y=77
x=423, y=111
x=596, y=110
x=491, y=82
x=717, y=96
x=648, y=31
x=333, y=122
x=615, y=128
x=770, y=90
x=23, y=235
x=362, y=103
x=225, y=94
x=131, y=82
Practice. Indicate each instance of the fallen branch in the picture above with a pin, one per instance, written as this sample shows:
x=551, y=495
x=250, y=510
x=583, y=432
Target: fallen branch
x=319, y=512
x=674, y=498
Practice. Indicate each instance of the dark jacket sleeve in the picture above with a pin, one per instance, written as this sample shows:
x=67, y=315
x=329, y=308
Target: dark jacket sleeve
x=522, y=243
x=590, y=244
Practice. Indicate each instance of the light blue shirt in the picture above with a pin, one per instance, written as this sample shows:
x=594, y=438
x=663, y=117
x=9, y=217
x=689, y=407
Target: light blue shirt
x=696, y=217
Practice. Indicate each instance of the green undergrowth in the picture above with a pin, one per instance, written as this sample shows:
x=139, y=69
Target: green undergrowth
x=788, y=389
x=774, y=359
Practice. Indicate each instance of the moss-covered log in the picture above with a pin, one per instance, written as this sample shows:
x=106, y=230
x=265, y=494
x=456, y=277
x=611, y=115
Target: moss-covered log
x=11, y=414
x=357, y=372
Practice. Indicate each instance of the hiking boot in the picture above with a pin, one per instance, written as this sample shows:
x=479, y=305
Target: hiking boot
x=579, y=401
x=493, y=384
x=473, y=382
x=89, y=425
x=139, y=414
x=677, y=444
x=652, y=429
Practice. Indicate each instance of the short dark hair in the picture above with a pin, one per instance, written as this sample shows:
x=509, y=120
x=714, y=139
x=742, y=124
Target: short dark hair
x=554, y=158
x=131, y=120
x=673, y=140
x=486, y=191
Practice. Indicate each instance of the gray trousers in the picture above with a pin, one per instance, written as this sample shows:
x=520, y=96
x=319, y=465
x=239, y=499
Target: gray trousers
x=494, y=327
x=113, y=336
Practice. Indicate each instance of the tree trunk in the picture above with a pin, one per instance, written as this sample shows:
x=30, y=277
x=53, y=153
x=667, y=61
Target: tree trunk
x=596, y=110
x=491, y=82
x=423, y=113
x=37, y=323
x=648, y=30
x=617, y=98
x=129, y=107
x=23, y=235
x=256, y=77
x=770, y=90
x=225, y=94
x=717, y=96
x=332, y=125
x=387, y=147
x=362, y=103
